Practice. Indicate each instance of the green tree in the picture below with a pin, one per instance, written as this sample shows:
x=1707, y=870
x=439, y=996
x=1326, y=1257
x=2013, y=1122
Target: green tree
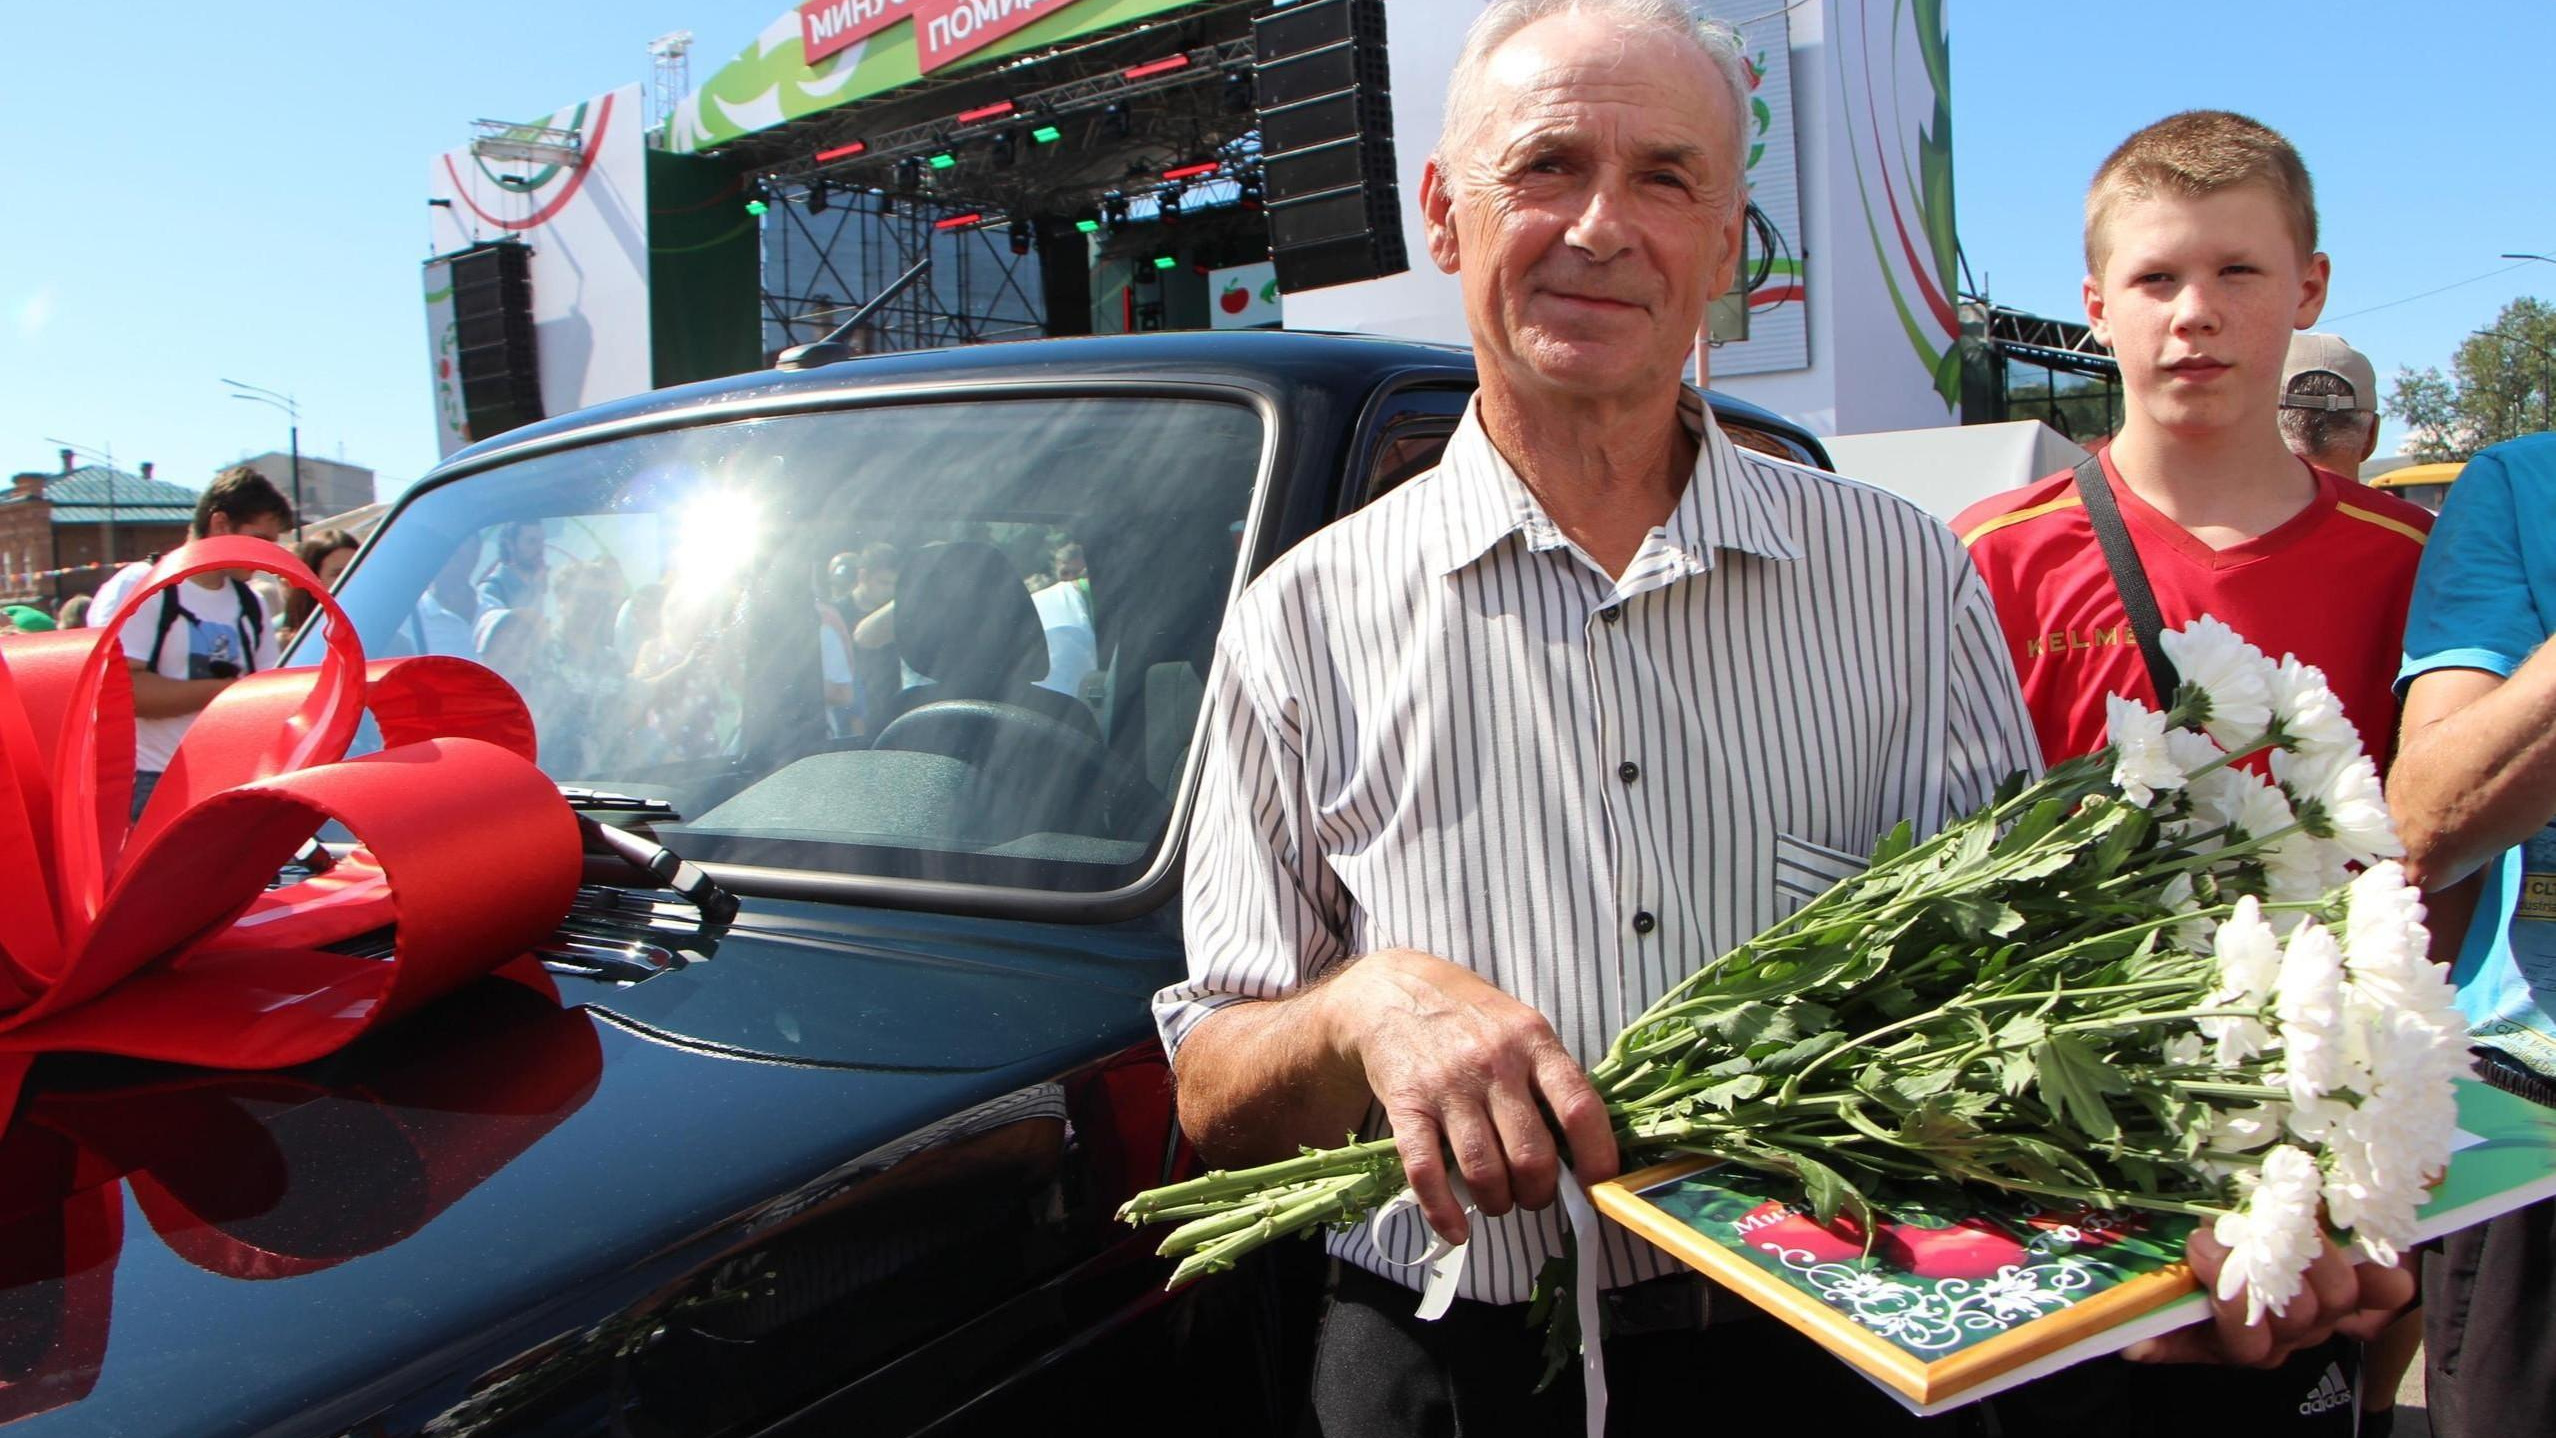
x=2502, y=383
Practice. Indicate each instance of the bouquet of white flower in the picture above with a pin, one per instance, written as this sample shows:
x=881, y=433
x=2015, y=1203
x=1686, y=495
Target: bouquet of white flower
x=2149, y=979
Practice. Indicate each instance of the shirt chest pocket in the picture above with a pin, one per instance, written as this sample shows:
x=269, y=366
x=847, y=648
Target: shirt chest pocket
x=1804, y=871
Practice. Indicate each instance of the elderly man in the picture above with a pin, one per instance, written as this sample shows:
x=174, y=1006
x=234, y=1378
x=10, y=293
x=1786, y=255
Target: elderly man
x=1495, y=761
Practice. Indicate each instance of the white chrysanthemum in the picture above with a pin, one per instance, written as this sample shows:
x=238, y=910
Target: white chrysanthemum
x=2336, y=794
x=2232, y=675
x=2218, y=798
x=2142, y=762
x=2179, y=897
x=2386, y=948
x=2249, y=956
x=2275, y=1237
x=2186, y=1049
x=2263, y=810
x=2381, y=1158
x=2310, y=1007
x=2308, y=713
x=2243, y=1130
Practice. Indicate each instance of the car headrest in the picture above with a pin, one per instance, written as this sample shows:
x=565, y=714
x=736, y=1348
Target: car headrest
x=965, y=620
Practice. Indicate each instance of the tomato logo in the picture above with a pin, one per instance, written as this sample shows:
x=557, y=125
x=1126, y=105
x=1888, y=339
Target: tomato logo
x=1235, y=299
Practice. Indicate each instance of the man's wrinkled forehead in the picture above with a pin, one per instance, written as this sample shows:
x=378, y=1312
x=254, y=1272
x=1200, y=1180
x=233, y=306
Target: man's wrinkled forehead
x=1550, y=84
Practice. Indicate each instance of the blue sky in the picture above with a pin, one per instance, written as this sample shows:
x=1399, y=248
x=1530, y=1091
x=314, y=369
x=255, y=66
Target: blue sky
x=202, y=192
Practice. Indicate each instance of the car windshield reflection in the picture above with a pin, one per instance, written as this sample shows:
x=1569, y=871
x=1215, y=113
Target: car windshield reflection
x=957, y=641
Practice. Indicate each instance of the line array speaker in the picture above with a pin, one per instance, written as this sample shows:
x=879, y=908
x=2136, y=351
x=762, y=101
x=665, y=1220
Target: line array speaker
x=1326, y=142
x=493, y=334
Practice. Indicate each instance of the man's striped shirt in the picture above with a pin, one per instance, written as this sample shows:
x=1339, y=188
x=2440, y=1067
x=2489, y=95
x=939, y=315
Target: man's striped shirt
x=1438, y=724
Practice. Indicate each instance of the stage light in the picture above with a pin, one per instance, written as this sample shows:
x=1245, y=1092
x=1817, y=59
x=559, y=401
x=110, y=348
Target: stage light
x=1001, y=154
x=1249, y=193
x=1114, y=122
x=943, y=161
x=1156, y=67
x=1114, y=211
x=959, y=222
x=1047, y=134
x=1238, y=96
x=842, y=152
x=909, y=174
x=816, y=197
x=1166, y=262
x=1020, y=237
x=1167, y=205
x=757, y=208
x=887, y=203
x=1192, y=172
x=758, y=198
x=982, y=113
x=1089, y=227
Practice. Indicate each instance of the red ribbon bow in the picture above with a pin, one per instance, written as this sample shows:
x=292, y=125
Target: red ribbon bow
x=165, y=942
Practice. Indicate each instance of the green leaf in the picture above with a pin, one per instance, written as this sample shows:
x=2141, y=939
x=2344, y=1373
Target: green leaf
x=2021, y=1032
x=2074, y=1082
x=1924, y=1083
x=2036, y=824
x=1895, y=843
x=2045, y=1162
x=1731, y=1091
x=1827, y=1190
x=2015, y=1073
x=1794, y=1055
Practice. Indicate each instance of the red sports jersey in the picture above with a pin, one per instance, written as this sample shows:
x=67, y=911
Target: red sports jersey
x=2329, y=585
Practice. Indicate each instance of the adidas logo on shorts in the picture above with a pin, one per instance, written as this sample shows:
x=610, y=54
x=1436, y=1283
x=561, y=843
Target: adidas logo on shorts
x=2332, y=1391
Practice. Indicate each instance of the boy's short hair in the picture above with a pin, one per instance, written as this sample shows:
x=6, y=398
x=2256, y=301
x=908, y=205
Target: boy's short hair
x=2197, y=153
x=239, y=494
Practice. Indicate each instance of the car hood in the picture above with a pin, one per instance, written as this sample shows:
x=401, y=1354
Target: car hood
x=183, y=1251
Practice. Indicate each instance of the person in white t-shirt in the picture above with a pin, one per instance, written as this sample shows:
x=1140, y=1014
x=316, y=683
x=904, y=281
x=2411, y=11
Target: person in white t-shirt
x=192, y=640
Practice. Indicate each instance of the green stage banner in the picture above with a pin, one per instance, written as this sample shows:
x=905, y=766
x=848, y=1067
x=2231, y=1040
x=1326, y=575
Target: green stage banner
x=873, y=51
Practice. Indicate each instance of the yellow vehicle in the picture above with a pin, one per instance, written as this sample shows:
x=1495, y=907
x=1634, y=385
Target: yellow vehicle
x=2423, y=484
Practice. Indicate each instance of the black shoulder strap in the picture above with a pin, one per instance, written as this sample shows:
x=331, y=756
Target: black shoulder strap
x=169, y=613
x=252, y=622
x=2122, y=558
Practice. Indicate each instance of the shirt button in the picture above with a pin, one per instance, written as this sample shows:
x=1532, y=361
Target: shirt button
x=1628, y=771
x=1613, y=613
x=1643, y=923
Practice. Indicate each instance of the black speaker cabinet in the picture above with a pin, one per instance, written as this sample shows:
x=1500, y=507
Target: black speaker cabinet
x=493, y=330
x=1326, y=141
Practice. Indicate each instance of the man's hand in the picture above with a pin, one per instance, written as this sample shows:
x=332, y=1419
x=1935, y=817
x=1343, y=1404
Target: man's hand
x=1461, y=1067
x=2355, y=1300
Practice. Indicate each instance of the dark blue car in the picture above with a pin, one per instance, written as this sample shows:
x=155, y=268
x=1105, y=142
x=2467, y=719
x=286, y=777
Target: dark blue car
x=906, y=653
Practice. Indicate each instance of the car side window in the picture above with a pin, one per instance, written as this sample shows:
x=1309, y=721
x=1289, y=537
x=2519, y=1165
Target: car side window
x=1405, y=441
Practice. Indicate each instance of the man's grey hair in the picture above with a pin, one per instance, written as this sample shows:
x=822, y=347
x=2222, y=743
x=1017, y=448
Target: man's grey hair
x=1504, y=18
x=2312, y=433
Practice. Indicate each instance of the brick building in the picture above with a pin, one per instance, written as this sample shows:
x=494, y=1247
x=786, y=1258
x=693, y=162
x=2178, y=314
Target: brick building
x=61, y=534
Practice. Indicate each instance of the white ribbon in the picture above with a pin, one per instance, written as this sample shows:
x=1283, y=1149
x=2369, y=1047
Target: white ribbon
x=1445, y=1265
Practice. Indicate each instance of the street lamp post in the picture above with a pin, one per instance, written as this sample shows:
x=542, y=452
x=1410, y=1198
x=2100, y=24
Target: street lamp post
x=2525, y=255
x=2546, y=373
x=293, y=413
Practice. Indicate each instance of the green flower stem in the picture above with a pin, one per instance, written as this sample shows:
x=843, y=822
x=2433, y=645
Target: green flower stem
x=2265, y=1092
x=2135, y=1021
x=1244, y=1182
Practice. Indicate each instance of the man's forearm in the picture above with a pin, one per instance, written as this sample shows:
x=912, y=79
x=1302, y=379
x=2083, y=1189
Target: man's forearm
x=1262, y=1078
x=2475, y=781
x=157, y=696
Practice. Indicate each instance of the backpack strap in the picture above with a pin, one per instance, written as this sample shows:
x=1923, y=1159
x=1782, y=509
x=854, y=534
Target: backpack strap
x=2121, y=556
x=251, y=622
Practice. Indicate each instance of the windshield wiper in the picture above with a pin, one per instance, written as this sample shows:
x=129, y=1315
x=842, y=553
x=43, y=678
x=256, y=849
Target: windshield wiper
x=669, y=869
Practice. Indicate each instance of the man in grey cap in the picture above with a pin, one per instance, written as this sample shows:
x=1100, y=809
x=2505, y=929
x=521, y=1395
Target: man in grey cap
x=2329, y=403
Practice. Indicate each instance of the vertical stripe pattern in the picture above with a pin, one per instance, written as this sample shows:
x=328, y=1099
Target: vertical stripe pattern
x=1438, y=725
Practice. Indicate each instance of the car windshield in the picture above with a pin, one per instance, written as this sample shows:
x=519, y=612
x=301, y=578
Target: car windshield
x=954, y=640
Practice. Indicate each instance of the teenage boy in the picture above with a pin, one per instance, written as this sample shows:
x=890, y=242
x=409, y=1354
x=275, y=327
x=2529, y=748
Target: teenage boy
x=2474, y=794
x=189, y=644
x=2201, y=261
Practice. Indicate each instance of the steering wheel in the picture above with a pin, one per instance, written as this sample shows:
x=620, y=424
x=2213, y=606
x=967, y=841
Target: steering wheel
x=1047, y=771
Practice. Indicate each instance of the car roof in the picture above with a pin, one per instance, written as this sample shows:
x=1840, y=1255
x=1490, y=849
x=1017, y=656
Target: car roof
x=1352, y=363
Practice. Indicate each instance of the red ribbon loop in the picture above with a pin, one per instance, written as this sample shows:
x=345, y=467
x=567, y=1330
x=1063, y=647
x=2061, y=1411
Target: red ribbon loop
x=162, y=940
